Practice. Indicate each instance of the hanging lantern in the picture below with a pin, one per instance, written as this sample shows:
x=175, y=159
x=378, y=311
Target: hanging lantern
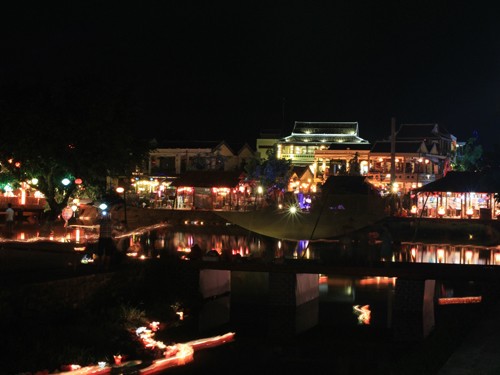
x=66, y=213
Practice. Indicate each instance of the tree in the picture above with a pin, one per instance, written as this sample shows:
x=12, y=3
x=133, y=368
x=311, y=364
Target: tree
x=68, y=130
x=470, y=157
x=273, y=173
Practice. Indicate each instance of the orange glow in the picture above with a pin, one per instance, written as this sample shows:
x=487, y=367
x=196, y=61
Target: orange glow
x=378, y=281
x=440, y=255
x=363, y=313
x=468, y=256
x=413, y=252
x=459, y=300
x=185, y=189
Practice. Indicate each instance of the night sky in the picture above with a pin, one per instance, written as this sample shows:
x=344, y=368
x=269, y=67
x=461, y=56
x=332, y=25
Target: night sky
x=236, y=68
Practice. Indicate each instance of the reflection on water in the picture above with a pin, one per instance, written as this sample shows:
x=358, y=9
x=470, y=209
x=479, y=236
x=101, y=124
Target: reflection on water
x=356, y=301
x=253, y=245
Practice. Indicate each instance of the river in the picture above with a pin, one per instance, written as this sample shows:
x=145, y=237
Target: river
x=351, y=327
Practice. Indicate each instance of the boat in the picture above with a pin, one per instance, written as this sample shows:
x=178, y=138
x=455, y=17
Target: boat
x=345, y=204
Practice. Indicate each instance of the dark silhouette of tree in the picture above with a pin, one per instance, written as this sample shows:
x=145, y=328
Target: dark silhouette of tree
x=68, y=130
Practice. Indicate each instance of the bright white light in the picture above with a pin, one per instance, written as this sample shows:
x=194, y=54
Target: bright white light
x=65, y=181
x=103, y=206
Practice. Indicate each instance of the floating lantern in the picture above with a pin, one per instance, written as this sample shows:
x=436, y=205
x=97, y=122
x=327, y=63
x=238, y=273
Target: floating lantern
x=413, y=210
x=441, y=211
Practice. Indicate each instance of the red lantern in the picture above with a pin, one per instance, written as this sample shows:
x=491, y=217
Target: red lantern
x=78, y=181
x=66, y=213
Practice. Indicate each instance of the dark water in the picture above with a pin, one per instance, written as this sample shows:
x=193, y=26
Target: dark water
x=334, y=335
x=346, y=330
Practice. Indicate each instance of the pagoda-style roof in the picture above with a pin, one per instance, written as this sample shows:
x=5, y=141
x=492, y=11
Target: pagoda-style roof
x=323, y=138
x=323, y=128
x=324, y=133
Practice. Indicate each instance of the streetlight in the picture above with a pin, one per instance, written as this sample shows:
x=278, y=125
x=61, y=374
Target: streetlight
x=121, y=190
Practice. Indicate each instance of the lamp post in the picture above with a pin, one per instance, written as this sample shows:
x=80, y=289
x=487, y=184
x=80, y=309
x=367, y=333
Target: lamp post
x=121, y=190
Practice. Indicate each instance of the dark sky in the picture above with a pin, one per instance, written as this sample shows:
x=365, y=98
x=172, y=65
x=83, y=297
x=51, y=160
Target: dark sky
x=235, y=68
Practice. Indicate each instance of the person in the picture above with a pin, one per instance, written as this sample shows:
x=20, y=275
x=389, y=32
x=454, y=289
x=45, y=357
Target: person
x=106, y=247
x=196, y=252
x=9, y=220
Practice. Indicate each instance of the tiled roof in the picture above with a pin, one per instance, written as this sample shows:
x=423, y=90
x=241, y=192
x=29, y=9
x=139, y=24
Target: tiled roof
x=348, y=185
x=208, y=179
x=299, y=170
x=460, y=182
x=327, y=138
x=421, y=131
x=400, y=147
x=235, y=146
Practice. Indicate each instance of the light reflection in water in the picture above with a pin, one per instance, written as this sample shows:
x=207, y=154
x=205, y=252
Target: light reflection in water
x=255, y=245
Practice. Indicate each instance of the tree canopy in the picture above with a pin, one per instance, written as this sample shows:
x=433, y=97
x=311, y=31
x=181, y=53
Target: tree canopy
x=272, y=173
x=470, y=157
x=68, y=130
